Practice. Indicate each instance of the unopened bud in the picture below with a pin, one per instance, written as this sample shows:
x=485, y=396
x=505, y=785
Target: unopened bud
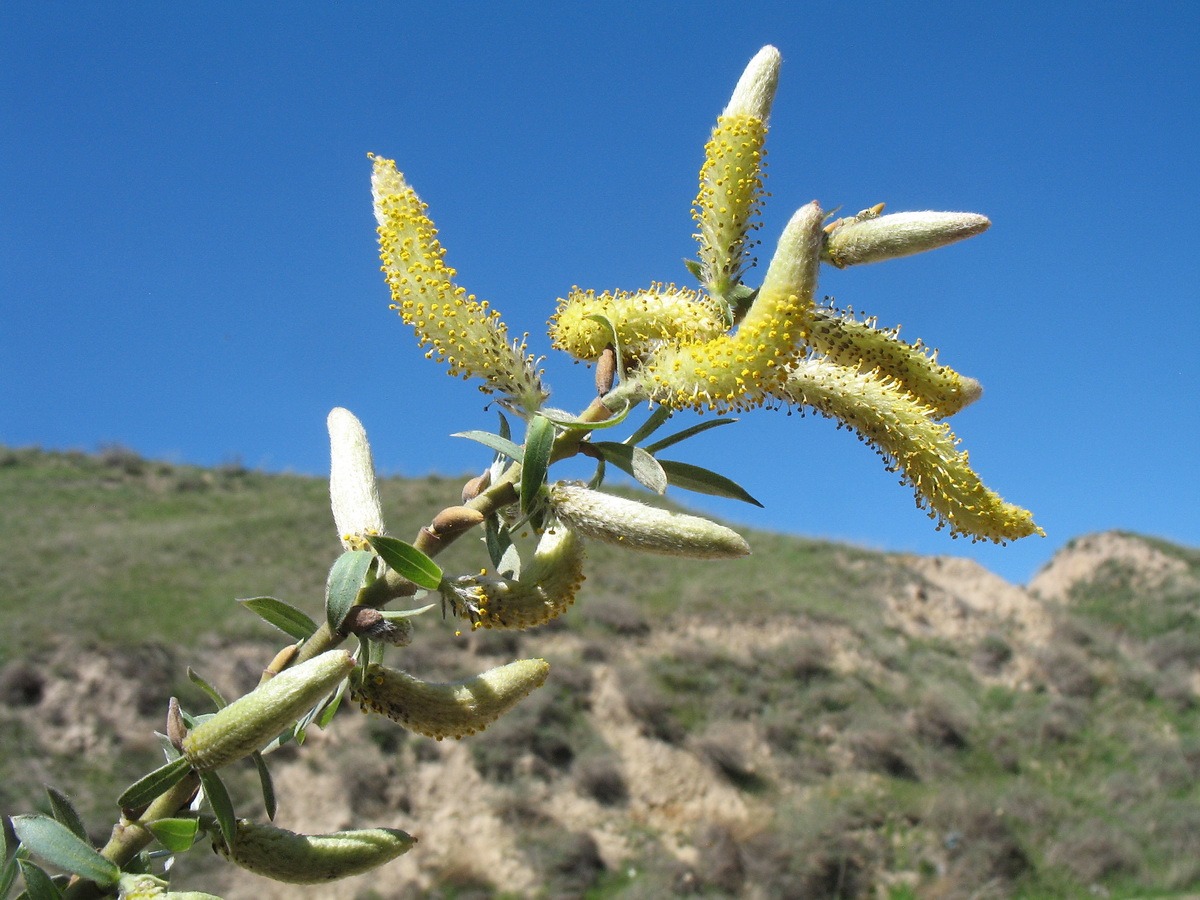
x=476, y=486
x=353, y=492
x=251, y=721
x=373, y=625
x=448, y=710
x=283, y=855
x=628, y=523
x=454, y=520
x=606, y=371
x=871, y=239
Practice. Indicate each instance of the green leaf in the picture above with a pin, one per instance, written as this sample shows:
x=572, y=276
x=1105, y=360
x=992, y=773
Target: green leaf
x=498, y=539
x=494, y=441
x=652, y=424
x=150, y=786
x=346, y=578
x=177, y=835
x=213, y=693
x=63, y=811
x=283, y=616
x=408, y=561
x=678, y=436
x=222, y=806
x=505, y=429
x=704, y=481
x=55, y=843
x=539, y=441
x=636, y=462
x=567, y=420
x=697, y=270
x=597, y=478
x=329, y=710
x=38, y=885
x=267, y=783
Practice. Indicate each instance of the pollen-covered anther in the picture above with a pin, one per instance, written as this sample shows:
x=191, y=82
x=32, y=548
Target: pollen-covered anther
x=448, y=710
x=628, y=523
x=547, y=587
x=455, y=327
x=641, y=319
x=770, y=337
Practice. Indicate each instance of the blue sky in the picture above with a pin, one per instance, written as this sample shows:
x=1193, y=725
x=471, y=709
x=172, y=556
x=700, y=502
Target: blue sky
x=188, y=260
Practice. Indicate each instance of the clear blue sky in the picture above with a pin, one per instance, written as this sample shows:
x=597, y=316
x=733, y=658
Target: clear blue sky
x=189, y=269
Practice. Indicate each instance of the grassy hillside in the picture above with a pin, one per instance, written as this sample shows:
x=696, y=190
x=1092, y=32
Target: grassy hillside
x=815, y=721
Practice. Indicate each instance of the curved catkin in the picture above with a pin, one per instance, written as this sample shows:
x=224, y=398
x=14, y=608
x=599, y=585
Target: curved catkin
x=637, y=526
x=448, y=710
x=283, y=855
x=904, y=433
x=546, y=588
x=250, y=722
x=851, y=343
x=640, y=318
x=739, y=370
x=457, y=328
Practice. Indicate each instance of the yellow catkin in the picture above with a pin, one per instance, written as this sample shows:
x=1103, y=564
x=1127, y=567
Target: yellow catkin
x=923, y=450
x=852, y=343
x=448, y=710
x=283, y=855
x=546, y=588
x=641, y=319
x=739, y=370
x=453, y=325
x=729, y=198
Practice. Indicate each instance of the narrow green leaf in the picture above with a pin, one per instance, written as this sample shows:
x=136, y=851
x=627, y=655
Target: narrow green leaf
x=634, y=461
x=647, y=470
x=567, y=420
x=685, y=434
x=652, y=424
x=505, y=429
x=56, y=844
x=270, y=803
x=177, y=835
x=222, y=806
x=494, y=441
x=703, y=481
x=38, y=885
x=213, y=693
x=498, y=539
x=150, y=786
x=283, y=616
x=329, y=710
x=539, y=440
x=63, y=811
x=697, y=270
x=597, y=476
x=408, y=561
x=346, y=578
x=8, y=870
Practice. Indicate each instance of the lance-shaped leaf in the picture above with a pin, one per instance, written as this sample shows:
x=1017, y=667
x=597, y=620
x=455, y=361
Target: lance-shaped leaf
x=38, y=885
x=494, y=441
x=347, y=576
x=698, y=428
x=219, y=800
x=539, y=441
x=56, y=844
x=703, y=481
x=408, y=561
x=636, y=462
x=146, y=788
x=177, y=835
x=287, y=618
x=65, y=813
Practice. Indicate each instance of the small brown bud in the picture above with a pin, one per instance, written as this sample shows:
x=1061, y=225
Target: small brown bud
x=476, y=486
x=606, y=370
x=454, y=520
x=371, y=624
x=176, y=730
